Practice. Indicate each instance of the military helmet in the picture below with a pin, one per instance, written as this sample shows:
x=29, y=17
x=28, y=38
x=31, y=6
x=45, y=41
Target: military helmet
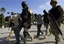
x=53, y=1
x=23, y=3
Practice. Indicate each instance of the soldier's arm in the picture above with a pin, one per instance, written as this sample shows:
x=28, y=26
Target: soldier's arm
x=61, y=13
x=30, y=11
x=32, y=15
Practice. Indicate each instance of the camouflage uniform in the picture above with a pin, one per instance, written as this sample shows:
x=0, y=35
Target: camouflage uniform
x=46, y=22
x=57, y=12
x=25, y=23
x=11, y=24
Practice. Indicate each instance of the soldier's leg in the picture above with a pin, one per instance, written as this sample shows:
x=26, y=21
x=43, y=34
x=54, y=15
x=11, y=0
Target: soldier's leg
x=25, y=34
x=17, y=33
x=57, y=39
x=38, y=31
x=11, y=33
x=46, y=29
x=49, y=32
x=28, y=33
x=46, y=26
x=8, y=38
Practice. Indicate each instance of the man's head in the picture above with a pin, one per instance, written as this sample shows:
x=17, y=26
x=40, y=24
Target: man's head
x=53, y=3
x=24, y=5
x=35, y=15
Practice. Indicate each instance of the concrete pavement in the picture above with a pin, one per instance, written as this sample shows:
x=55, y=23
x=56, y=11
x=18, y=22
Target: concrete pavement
x=49, y=39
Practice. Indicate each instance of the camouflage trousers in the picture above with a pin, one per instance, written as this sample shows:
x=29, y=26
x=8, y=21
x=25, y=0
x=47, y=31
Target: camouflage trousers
x=25, y=33
x=54, y=31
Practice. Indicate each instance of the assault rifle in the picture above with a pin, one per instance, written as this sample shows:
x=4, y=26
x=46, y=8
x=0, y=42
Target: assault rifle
x=54, y=22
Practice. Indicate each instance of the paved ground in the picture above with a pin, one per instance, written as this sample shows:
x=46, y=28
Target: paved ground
x=49, y=39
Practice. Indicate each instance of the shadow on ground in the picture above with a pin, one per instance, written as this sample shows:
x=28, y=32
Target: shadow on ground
x=36, y=30
x=4, y=41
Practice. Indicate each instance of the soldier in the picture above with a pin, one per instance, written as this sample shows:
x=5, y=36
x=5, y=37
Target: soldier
x=46, y=22
x=38, y=19
x=11, y=24
x=26, y=23
x=57, y=13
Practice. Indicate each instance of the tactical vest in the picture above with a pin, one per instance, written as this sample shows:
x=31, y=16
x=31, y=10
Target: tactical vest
x=56, y=12
x=26, y=17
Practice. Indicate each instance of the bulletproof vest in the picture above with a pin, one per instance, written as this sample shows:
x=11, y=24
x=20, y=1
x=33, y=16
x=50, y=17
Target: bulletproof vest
x=25, y=15
x=56, y=12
